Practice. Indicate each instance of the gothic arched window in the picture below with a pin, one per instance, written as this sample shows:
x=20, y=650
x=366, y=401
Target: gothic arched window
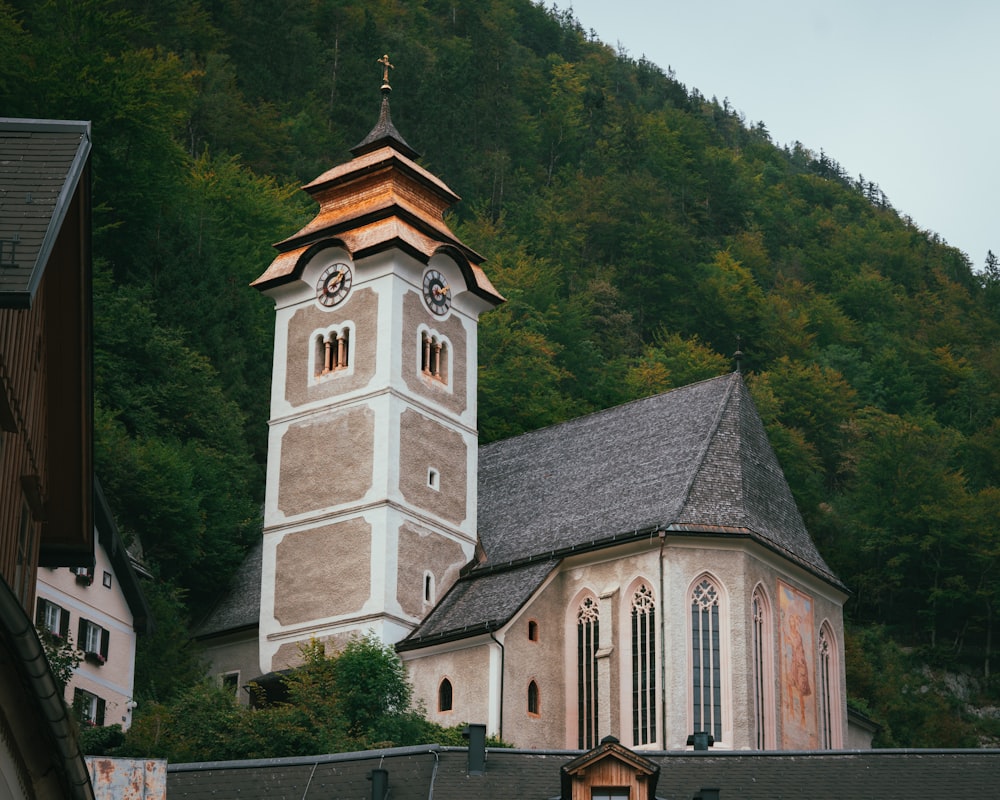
x=706, y=659
x=829, y=689
x=444, y=695
x=763, y=665
x=643, y=666
x=587, y=637
x=533, y=702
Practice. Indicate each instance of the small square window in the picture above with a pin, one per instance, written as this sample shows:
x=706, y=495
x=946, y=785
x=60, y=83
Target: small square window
x=231, y=682
x=107, y=580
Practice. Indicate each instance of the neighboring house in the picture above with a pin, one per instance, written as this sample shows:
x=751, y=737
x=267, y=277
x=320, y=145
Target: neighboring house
x=46, y=433
x=641, y=572
x=607, y=772
x=101, y=609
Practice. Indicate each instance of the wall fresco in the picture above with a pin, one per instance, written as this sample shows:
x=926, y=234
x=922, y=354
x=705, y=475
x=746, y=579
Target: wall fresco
x=798, y=669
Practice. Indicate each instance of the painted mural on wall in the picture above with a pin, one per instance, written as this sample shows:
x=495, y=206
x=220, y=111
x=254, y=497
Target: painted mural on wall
x=798, y=669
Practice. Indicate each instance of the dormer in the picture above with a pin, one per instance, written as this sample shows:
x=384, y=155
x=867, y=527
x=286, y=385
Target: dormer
x=609, y=772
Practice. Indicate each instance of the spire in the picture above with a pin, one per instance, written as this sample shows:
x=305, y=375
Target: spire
x=738, y=355
x=384, y=133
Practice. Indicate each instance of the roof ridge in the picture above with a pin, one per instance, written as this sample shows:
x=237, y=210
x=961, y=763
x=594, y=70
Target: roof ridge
x=709, y=440
x=608, y=410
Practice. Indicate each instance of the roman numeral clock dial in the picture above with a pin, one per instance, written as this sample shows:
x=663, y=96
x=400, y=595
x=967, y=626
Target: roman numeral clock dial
x=437, y=293
x=334, y=284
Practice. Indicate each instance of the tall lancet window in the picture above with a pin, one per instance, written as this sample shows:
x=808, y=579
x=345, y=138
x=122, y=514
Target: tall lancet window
x=763, y=676
x=829, y=690
x=643, y=666
x=587, y=638
x=706, y=656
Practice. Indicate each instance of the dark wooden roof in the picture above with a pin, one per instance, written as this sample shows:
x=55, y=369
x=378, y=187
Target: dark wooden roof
x=41, y=163
x=416, y=773
x=692, y=461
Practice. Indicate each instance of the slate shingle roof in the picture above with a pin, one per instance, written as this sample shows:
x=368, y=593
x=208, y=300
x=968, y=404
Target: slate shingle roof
x=239, y=607
x=693, y=460
x=41, y=162
x=416, y=773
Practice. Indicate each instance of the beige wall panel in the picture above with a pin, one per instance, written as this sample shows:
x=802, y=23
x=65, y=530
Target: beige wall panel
x=467, y=670
x=289, y=655
x=541, y=661
x=361, y=308
x=423, y=445
x=326, y=461
x=453, y=397
x=322, y=572
x=420, y=550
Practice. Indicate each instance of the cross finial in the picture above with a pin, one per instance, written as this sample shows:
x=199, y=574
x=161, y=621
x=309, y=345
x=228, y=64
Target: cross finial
x=386, y=66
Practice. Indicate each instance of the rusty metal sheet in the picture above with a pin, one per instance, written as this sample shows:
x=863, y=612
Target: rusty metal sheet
x=128, y=778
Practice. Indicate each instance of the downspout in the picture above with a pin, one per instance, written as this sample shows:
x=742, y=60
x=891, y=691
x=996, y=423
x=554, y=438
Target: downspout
x=663, y=647
x=503, y=656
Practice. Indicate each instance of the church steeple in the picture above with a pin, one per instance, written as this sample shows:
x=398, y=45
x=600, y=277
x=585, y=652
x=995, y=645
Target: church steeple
x=384, y=134
x=370, y=508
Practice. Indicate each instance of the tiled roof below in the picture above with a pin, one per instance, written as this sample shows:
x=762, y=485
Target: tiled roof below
x=416, y=773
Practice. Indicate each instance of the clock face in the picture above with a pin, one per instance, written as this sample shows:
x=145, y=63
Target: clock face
x=334, y=284
x=437, y=293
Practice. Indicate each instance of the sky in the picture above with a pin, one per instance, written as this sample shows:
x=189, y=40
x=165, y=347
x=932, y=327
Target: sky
x=904, y=92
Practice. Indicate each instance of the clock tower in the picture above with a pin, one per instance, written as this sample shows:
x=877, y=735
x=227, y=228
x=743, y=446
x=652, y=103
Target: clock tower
x=370, y=508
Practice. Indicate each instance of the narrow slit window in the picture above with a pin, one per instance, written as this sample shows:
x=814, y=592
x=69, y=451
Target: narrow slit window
x=428, y=588
x=433, y=479
x=532, y=631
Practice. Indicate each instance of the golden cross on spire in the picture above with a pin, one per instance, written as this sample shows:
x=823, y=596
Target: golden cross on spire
x=386, y=66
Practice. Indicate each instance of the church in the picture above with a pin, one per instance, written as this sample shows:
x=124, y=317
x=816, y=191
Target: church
x=641, y=572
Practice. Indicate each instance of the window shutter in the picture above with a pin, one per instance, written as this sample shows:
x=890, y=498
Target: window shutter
x=99, y=717
x=40, y=613
x=64, y=624
x=81, y=634
x=105, y=638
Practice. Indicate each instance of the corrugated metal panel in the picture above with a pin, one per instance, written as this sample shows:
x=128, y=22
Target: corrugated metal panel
x=128, y=778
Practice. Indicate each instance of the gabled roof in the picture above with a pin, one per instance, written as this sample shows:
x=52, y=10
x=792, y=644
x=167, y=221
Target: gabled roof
x=41, y=164
x=692, y=461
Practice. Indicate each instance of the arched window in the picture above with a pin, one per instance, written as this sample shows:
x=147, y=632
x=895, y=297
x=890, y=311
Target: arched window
x=533, y=704
x=434, y=357
x=706, y=659
x=444, y=695
x=829, y=689
x=587, y=637
x=332, y=351
x=763, y=666
x=643, y=666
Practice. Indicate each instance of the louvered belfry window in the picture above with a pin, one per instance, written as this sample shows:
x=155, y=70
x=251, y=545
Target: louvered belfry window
x=706, y=659
x=587, y=637
x=643, y=666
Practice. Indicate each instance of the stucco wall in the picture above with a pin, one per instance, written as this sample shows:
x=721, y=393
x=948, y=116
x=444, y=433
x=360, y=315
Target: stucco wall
x=327, y=460
x=424, y=445
x=420, y=550
x=323, y=572
x=453, y=396
x=361, y=309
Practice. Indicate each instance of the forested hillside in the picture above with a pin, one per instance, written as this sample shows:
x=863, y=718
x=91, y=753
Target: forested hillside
x=641, y=232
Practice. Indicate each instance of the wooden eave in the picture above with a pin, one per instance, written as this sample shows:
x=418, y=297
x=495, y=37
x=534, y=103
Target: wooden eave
x=616, y=751
x=375, y=202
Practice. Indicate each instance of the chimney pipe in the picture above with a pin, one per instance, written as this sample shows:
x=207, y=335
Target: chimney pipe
x=380, y=783
x=476, y=734
x=701, y=740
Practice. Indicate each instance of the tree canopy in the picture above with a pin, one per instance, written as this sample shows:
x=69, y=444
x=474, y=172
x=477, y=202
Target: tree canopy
x=638, y=228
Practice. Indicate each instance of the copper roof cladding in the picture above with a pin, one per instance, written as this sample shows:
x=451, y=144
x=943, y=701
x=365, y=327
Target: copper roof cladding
x=379, y=199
